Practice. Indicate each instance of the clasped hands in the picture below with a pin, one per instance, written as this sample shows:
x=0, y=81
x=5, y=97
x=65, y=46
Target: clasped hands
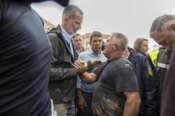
x=79, y=66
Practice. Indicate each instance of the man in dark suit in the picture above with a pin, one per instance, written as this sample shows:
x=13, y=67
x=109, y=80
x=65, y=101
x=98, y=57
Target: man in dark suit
x=62, y=74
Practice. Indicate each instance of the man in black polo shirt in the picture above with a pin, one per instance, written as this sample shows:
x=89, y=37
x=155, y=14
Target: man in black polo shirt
x=117, y=92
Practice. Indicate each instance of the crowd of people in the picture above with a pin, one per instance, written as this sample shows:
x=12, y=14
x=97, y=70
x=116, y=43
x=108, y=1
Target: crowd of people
x=52, y=74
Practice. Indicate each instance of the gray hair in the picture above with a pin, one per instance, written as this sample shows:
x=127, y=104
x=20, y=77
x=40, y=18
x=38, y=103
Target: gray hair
x=71, y=10
x=138, y=42
x=160, y=21
x=120, y=40
x=76, y=35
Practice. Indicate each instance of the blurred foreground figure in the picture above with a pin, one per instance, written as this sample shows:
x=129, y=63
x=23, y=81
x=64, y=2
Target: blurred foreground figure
x=163, y=32
x=24, y=61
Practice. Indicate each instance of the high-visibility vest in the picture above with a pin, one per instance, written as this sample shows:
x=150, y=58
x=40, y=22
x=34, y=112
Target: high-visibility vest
x=153, y=57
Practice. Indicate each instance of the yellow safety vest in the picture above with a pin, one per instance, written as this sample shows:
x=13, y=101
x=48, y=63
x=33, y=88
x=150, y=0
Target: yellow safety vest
x=153, y=56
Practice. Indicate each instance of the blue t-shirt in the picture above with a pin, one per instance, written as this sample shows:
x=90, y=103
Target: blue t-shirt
x=89, y=56
x=24, y=62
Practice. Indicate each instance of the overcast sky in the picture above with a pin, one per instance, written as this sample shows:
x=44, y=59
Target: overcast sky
x=131, y=17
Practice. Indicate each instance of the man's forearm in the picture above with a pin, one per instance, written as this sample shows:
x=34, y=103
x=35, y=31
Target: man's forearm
x=131, y=108
x=61, y=73
x=88, y=77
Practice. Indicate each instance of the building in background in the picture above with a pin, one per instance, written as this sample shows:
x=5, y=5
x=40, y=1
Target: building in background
x=48, y=25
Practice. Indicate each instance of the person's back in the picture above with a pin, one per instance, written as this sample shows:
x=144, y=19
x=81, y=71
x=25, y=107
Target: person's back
x=139, y=63
x=24, y=62
x=148, y=93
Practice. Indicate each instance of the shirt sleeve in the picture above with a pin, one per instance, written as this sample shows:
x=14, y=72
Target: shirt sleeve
x=125, y=80
x=78, y=82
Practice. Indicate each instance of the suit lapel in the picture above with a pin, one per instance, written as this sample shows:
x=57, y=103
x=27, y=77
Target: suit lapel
x=75, y=52
x=66, y=44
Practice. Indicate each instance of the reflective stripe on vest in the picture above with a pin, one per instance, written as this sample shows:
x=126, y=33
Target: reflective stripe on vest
x=161, y=65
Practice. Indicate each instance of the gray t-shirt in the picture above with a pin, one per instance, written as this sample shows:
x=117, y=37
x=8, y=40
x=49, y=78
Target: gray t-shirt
x=118, y=76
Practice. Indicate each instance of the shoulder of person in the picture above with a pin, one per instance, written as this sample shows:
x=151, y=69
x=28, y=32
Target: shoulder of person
x=122, y=63
x=55, y=34
x=85, y=53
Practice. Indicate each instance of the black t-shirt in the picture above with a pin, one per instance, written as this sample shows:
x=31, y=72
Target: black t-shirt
x=117, y=77
x=24, y=62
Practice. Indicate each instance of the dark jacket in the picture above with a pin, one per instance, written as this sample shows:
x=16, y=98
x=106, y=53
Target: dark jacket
x=62, y=76
x=162, y=67
x=163, y=64
x=24, y=62
x=167, y=98
x=148, y=90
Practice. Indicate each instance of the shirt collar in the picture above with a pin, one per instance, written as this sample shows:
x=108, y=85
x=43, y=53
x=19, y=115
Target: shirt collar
x=95, y=54
x=66, y=35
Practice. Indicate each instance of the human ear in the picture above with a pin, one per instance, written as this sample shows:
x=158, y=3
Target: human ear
x=172, y=27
